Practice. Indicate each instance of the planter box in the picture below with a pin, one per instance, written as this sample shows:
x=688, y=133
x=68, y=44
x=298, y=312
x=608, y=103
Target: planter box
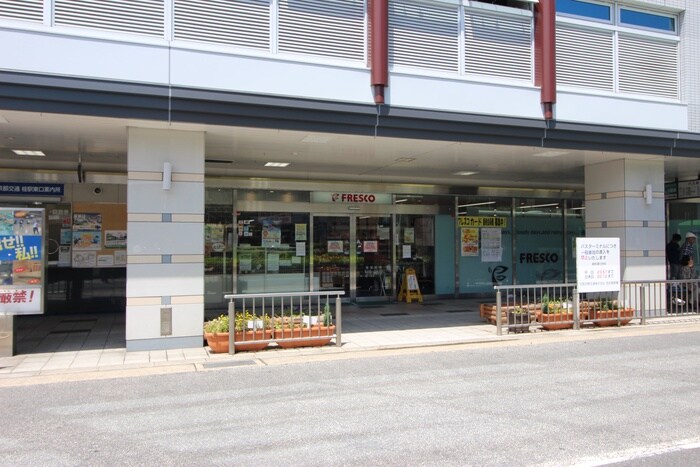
x=314, y=336
x=518, y=322
x=218, y=341
x=553, y=321
x=612, y=317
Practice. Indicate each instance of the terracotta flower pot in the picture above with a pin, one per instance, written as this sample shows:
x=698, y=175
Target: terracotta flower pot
x=315, y=336
x=553, y=321
x=610, y=317
x=218, y=341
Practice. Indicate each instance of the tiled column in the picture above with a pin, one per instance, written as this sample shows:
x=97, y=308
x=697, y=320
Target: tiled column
x=616, y=207
x=165, y=247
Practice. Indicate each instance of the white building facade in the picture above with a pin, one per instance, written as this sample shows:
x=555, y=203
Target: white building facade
x=288, y=145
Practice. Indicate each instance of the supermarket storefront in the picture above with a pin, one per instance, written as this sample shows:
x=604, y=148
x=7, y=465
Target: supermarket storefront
x=361, y=242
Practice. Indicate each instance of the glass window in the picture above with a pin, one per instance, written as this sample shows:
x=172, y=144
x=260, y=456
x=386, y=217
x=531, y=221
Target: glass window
x=485, y=240
x=647, y=20
x=539, y=237
x=586, y=9
x=272, y=252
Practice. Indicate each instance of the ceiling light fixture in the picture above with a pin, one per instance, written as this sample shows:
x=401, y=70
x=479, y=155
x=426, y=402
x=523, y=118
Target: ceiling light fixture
x=28, y=152
x=476, y=204
x=466, y=173
x=549, y=154
x=276, y=164
x=402, y=200
x=539, y=206
x=405, y=159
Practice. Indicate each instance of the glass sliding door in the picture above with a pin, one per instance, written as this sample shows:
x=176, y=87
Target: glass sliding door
x=332, y=253
x=373, y=251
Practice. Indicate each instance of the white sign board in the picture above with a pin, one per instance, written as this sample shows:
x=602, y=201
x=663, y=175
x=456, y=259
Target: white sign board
x=598, y=264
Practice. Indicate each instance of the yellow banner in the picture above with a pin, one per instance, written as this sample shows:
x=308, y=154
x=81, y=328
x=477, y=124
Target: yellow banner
x=474, y=221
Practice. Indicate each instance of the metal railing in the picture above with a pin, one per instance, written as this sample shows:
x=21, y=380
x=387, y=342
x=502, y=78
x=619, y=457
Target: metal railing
x=286, y=317
x=558, y=306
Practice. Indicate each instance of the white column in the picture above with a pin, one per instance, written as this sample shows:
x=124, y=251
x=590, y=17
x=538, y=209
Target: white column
x=616, y=206
x=165, y=246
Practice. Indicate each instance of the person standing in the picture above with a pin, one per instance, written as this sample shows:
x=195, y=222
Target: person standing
x=688, y=247
x=673, y=256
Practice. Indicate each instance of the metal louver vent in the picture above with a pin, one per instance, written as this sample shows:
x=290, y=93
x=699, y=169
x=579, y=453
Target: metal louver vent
x=585, y=58
x=424, y=36
x=648, y=66
x=244, y=23
x=136, y=17
x=29, y=10
x=497, y=45
x=332, y=28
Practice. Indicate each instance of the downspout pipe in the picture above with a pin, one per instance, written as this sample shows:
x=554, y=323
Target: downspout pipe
x=545, y=53
x=379, y=48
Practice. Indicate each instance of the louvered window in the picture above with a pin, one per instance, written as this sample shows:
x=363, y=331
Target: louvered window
x=424, y=36
x=130, y=16
x=332, y=28
x=497, y=45
x=648, y=66
x=244, y=23
x=29, y=10
x=585, y=57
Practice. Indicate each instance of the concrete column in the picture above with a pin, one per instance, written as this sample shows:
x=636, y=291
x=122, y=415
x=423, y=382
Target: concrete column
x=165, y=247
x=617, y=207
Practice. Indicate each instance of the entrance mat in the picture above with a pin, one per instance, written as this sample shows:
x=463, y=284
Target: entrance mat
x=78, y=320
x=457, y=311
x=393, y=314
x=70, y=331
x=431, y=303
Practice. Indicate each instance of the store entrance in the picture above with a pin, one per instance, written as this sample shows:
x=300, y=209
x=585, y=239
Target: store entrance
x=353, y=253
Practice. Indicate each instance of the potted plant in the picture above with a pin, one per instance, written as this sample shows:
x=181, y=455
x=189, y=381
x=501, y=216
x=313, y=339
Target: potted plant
x=247, y=328
x=607, y=312
x=518, y=319
x=298, y=331
x=555, y=314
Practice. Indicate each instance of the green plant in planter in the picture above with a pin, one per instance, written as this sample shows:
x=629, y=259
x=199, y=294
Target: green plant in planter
x=218, y=324
x=327, y=317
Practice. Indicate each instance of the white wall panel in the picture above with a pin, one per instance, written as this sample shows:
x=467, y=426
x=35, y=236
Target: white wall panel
x=464, y=96
x=83, y=57
x=621, y=111
x=166, y=238
x=149, y=197
x=148, y=280
x=145, y=321
x=270, y=76
x=149, y=148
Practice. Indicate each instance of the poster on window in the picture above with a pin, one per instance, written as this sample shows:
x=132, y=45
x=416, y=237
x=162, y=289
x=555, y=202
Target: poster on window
x=370, y=246
x=271, y=234
x=87, y=221
x=470, y=241
x=21, y=260
x=491, y=250
x=300, y=232
x=409, y=235
x=115, y=238
x=335, y=246
x=87, y=240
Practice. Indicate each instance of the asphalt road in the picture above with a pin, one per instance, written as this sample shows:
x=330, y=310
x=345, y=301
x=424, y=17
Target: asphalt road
x=627, y=401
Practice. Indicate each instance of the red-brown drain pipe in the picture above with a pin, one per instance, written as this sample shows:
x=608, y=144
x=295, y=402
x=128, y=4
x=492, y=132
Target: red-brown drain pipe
x=545, y=55
x=379, y=47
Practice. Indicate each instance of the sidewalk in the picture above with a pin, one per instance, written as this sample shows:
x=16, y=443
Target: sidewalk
x=74, y=347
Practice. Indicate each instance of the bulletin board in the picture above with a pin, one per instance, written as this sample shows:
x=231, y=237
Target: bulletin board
x=98, y=235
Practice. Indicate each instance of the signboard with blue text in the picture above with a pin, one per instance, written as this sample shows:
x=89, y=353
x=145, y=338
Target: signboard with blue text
x=22, y=233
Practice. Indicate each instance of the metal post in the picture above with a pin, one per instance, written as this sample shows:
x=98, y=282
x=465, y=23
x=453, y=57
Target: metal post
x=339, y=321
x=577, y=315
x=499, y=319
x=231, y=328
x=642, y=304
